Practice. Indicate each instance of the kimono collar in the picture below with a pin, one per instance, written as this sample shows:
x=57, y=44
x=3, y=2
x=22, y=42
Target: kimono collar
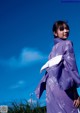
x=57, y=40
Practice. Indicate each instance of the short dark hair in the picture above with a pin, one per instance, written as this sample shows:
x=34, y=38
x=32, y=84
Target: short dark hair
x=58, y=24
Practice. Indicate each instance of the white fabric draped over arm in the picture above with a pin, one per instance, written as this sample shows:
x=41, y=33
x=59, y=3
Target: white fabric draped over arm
x=52, y=62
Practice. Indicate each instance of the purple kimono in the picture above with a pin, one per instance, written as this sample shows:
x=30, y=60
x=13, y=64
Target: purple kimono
x=60, y=81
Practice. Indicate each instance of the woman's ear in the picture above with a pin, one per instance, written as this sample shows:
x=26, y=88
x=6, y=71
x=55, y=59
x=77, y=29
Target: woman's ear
x=55, y=34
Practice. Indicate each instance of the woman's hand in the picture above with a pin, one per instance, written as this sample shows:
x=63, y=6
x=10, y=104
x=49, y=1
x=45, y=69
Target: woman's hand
x=77, y=102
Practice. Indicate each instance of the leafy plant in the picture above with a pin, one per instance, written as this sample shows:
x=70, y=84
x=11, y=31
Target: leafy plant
x=25, y=108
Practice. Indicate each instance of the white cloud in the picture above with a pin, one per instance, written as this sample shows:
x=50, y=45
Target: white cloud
x=19, y=84
x=27, y=57
x=36, y=102
x=31, y=101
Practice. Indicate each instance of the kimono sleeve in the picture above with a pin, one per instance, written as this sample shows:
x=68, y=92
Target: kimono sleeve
x=70, y=62
x=41, y=86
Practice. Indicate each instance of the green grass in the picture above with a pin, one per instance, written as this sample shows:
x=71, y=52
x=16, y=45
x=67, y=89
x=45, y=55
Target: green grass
x=25, y=108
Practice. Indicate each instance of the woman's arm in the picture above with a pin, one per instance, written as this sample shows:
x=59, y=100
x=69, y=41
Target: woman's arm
x=70, y=62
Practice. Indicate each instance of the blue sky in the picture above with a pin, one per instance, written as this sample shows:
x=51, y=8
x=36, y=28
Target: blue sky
x=26, y=39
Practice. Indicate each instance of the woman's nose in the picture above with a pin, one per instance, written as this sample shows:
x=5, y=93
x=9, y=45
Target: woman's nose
x=66, y=30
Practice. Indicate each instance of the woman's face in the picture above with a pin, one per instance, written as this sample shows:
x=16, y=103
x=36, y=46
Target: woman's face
x=62, y=32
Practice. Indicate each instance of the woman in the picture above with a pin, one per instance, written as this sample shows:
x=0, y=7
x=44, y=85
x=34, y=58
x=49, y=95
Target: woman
x=61, y=80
